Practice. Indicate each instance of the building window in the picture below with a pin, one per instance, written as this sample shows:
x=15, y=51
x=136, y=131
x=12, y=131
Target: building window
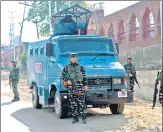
x=42, y=51
x=36, y=51
x=122, y=30
x=148, y=24
x=133, y=28
x=31, y=51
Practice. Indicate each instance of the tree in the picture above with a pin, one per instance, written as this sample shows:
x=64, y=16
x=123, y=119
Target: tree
x=24, y=60
x=39, y=12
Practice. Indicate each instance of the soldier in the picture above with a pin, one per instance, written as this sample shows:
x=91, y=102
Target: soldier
x=74, y=74
x=130, y=71
x=14, y=79
x=161, y=88
x=68, y=19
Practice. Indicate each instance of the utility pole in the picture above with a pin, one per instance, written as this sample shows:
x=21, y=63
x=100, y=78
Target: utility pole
x=21, y=26
x=25, y=3
x=12, y=31
x=36, y=22
x=50, y=24
x=55, y=10
x=69, y=3
x=100, y=5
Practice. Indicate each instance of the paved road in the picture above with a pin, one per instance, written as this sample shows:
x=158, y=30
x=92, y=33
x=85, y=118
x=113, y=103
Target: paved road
x=20, y=116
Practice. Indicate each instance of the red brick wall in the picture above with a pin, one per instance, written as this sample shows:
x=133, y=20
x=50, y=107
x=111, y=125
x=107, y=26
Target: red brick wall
x=125, y=14
x=102, y=23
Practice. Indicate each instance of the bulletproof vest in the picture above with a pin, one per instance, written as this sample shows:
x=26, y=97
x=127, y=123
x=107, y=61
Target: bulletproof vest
x=129, y=68
x=15, y=73
x=75, y=73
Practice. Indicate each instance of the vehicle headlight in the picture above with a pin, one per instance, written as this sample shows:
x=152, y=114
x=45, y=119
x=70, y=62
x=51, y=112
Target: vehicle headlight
x=117, y=81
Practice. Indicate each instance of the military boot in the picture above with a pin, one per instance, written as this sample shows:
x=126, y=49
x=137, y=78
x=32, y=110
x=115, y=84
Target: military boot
x=15, y=99
x=75, y=120
x=18, y=99
x=84, y=120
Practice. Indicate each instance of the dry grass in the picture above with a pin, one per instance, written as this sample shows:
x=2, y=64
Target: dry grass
x=142, y=116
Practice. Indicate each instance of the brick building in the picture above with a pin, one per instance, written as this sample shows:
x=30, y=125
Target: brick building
x=136, y=28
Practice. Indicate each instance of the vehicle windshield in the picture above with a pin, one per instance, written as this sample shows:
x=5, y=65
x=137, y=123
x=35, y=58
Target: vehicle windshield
x=86, y=46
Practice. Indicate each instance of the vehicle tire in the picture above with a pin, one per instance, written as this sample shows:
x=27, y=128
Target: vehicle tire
x=116, y=108
x=61, y=111
x=35, y=98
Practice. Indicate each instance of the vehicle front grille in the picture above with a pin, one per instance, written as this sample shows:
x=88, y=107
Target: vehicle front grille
x=99, y=82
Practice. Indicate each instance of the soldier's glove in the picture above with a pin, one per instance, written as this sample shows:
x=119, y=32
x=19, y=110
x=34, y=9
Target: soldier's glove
x=65, y=83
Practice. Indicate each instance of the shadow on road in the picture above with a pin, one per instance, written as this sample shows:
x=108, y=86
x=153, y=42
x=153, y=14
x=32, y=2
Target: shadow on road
x=6, y=103
x=45, y=120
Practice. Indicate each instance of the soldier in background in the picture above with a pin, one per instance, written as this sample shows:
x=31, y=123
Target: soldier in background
x=74, y=75
x=131, y=72
x=14, y=79
x=68, y=19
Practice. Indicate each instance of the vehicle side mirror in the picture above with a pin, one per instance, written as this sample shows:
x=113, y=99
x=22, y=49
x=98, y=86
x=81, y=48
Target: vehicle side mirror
x=49, y=49
x=117, y=47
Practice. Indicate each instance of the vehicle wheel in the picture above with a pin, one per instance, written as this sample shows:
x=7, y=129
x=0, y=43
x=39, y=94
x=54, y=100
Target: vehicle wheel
x=61, y=111
x=35, y=98
x=117, y=108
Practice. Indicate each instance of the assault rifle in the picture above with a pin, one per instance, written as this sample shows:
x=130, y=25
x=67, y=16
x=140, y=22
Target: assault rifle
x=74, y=89
x=135, y=79
x=155, y=92
x=134, y=76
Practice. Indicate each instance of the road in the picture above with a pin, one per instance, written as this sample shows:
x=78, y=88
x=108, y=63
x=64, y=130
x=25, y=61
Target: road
x=20, y=116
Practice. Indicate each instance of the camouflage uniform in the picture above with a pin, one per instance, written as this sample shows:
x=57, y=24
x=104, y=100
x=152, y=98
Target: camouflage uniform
x=76, y=73
x=161, y=88
x=14, y=79
x=130, y=71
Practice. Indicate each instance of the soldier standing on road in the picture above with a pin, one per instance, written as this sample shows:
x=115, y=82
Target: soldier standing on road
x=13, y=80
x=130, y=71
x=74, y=74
